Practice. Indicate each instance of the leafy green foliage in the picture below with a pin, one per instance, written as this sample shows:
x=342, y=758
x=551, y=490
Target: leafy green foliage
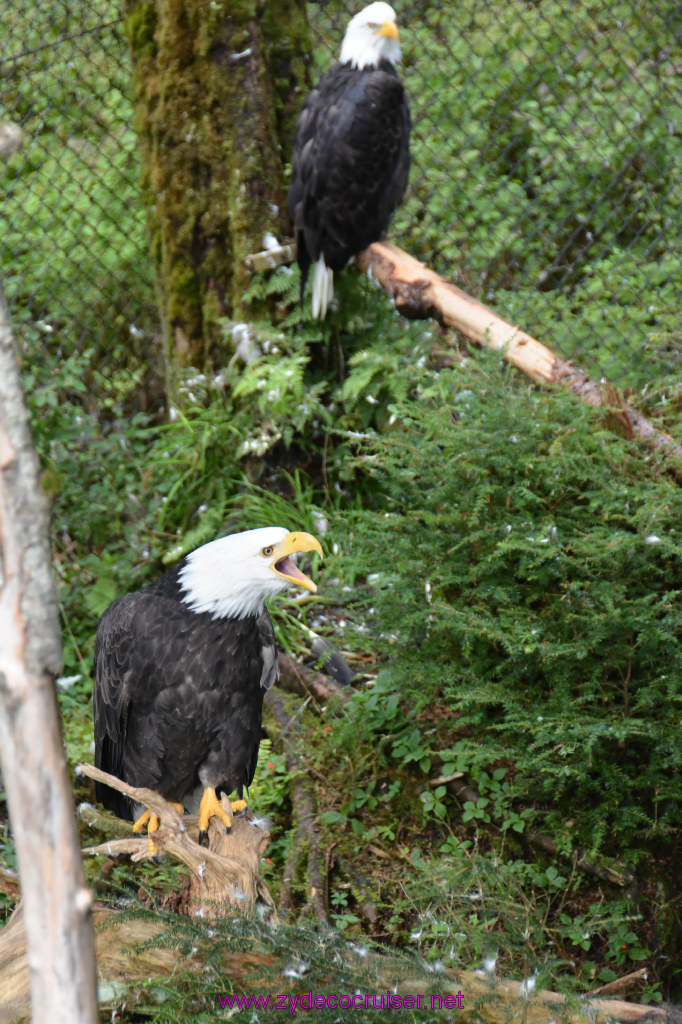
x=528, y=572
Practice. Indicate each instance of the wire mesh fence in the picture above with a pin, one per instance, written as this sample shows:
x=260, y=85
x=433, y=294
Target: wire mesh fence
x=546, y=177
x=73, y=252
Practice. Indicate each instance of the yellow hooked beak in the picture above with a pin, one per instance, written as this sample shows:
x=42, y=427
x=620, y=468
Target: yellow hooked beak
x=390, y=29
x=282, y=565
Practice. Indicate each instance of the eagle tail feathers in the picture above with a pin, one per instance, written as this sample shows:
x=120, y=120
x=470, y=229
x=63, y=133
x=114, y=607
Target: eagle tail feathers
x=323, y=288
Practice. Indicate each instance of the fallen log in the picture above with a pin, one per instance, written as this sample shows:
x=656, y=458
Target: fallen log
x=128, y=956
x=133, y=951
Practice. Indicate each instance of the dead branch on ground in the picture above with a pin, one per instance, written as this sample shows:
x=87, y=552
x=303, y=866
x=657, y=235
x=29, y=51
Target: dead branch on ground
x=305, y=681
x=131, y=952
x=305, y=809
x=620, y=985
x=597, y=866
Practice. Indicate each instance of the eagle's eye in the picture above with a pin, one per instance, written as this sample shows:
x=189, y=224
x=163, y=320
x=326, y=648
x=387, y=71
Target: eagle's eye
x=267, y=551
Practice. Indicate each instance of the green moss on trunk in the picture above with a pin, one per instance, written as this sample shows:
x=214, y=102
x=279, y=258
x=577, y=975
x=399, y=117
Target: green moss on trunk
x=217, y=86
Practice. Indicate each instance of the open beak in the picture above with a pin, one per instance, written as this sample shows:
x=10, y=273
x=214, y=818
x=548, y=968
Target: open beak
x=282, y=565
x=390, y=29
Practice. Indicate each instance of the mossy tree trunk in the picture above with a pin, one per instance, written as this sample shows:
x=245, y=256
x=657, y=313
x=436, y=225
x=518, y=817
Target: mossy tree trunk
x=217, y=86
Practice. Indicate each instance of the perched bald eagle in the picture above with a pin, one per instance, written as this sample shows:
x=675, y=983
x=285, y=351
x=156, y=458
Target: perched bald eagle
x=181, y=668
x=351, y=153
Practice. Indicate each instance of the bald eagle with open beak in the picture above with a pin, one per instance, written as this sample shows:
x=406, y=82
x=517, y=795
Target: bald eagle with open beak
x=181, y=669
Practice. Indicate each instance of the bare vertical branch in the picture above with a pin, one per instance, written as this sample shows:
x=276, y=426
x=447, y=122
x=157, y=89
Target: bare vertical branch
x=56, y=901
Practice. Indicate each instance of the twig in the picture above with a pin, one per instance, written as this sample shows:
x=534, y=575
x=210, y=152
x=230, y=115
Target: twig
x=620, y=985
x=600, y=867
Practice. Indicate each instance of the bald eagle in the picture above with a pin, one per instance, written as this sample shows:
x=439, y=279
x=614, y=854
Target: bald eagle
x=181, y=668
x=351, y=153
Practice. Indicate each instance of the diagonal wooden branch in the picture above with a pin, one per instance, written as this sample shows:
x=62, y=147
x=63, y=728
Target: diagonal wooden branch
x=420, y=293
x=304, y=681
x=166, y=813
x=600, y=867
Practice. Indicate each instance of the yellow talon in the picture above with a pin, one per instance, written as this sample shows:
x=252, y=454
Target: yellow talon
x=148, y=819
x=152, y=822
x=210, y=805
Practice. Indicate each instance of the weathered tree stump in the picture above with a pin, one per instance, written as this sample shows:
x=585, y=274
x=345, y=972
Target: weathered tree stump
x=223, y=877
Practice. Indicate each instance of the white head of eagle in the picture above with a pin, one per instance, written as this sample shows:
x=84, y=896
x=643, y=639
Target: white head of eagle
x=351, y=155
x=371, y=36
x=181, y=668
x=231, y=577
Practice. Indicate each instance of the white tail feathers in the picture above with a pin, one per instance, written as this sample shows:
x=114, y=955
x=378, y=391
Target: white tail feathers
x=323, y=288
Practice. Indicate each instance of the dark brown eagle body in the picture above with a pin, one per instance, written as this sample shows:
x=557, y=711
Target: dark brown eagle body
x=350, y=163
x=351, y=155
x=178, y=695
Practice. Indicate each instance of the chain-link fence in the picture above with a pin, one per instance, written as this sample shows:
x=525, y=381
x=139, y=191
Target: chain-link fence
x=546, y=177
x=73, y=252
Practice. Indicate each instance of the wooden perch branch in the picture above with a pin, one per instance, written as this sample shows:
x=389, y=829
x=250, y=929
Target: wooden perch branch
x=223, y=878
x=419, y=293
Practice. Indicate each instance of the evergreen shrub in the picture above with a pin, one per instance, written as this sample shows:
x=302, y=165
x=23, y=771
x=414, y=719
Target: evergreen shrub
x=523, y=565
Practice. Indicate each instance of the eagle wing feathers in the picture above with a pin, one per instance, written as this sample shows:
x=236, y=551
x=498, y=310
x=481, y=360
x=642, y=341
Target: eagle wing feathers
x=178, y=697
x=350, y=163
